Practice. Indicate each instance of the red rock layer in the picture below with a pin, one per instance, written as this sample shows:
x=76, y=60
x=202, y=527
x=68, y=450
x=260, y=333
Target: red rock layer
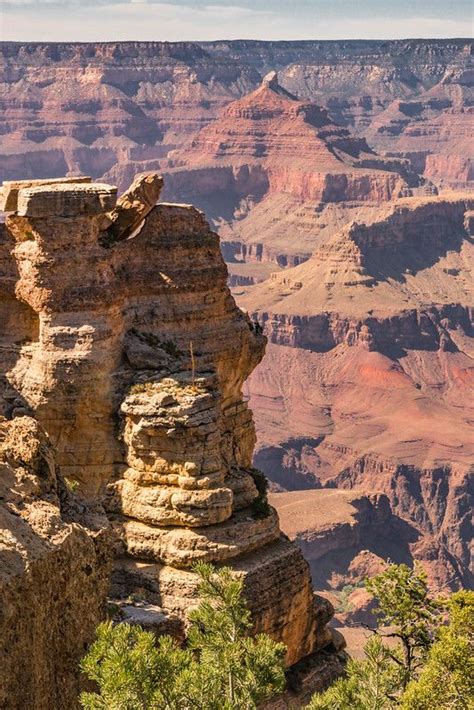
x=368, y=383
x=275, y=143
x=272, y=163
x=96, y=106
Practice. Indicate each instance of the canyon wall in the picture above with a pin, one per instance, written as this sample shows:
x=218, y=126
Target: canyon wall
x=54, y=573
x=271, y=165
x=122, y=107
x=120, y=337
x=367, y=383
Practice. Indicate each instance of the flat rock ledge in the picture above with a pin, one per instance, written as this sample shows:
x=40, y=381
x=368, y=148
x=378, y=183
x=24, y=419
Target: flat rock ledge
x=66, y=200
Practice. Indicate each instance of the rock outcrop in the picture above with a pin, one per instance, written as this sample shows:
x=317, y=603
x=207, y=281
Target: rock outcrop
x=134, y=363
x=367, y=382
x=54, y=573
x=128, y=215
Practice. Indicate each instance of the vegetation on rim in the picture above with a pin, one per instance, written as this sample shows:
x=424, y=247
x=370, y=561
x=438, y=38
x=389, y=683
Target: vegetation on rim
x=223, y=668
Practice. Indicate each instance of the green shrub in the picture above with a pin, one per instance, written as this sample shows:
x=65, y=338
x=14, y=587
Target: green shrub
x=222, y=668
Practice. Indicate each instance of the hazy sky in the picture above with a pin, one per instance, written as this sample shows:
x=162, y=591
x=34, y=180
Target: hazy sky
x=92, y=20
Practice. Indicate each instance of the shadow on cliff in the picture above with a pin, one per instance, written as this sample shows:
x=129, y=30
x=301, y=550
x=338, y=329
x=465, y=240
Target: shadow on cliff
x=422, y=250
x=19, y=329
x=392, y=546
x=11, y=562
x=283, y=465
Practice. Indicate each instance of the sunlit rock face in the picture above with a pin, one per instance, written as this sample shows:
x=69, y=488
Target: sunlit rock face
x=272, y=165
x=54, y=571
x=134, y=358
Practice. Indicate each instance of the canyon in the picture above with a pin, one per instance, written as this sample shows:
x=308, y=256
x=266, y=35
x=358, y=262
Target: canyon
x=272, y=163
x=122, y=107
x=339, y=178
x=372, y=390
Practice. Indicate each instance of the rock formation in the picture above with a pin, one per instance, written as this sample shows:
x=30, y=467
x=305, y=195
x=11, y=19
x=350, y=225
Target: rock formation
x=434, y=130
x=346, y=536
x=367, y=382
x=132, y=355
x=54, y=573
x=271, y=163
x=129, y=107
x=270, y=142
x=128, y=215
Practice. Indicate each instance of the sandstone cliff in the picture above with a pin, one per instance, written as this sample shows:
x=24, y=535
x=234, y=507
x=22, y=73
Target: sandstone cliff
x=54, y=573
x=124, y=342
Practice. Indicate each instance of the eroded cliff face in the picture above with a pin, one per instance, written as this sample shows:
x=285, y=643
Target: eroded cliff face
x=134, y=363
x=358, y=123
x=54, y=573
x=277, y=144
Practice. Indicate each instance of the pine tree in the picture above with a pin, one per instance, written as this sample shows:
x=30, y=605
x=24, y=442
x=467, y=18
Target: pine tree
x=370, y=684
x=446, y=682
x=132, y=670
x=237, y=671
x=222, y=668
x=407, y=608
x=408, y=613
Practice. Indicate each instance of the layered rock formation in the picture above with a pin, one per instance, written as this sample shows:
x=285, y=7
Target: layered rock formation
x=367, y=383
x=122, y=107
x=272, y=163
x=133, y=360
x=270, y=141
x=54, y=573
x=288, y=169
x=434, y=130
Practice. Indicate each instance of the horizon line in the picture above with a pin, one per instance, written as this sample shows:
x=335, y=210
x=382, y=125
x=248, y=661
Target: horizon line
x=240, y=39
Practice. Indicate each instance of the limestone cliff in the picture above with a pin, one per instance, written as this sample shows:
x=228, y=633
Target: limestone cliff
x=132, y=356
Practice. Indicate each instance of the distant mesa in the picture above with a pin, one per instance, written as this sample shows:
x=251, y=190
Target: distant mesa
x=112, y=110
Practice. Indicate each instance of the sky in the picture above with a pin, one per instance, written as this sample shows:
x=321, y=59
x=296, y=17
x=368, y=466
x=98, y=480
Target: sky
x=173, y=20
